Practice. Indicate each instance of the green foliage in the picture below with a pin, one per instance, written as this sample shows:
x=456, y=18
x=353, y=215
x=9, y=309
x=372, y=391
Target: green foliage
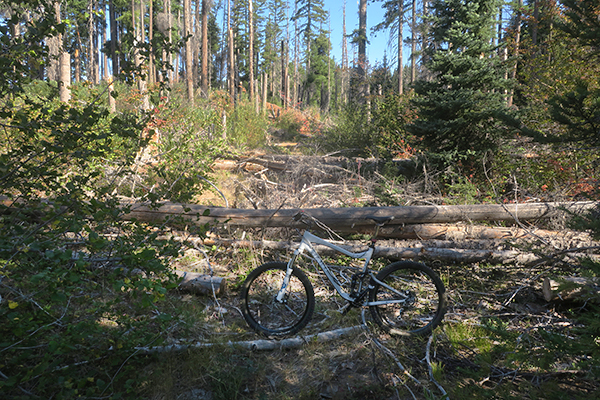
x=189, y=139
x=579, y=111
x=385, y=134
x=391, y=115
x=80, y=289
x=245, y=128
x=462, y=112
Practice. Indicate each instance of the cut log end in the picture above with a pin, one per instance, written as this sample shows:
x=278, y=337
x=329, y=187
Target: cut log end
x=570, y=289
x=203, y=284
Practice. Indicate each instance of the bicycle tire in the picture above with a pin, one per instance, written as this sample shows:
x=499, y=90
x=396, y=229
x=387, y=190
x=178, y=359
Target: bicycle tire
x=264, y=313
x=424, y=294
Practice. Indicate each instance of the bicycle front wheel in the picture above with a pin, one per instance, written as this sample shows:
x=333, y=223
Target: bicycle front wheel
x=411, y=296
x=264, y=313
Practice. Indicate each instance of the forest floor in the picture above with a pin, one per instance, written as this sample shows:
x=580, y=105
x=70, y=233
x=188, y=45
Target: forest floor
x=500, y=338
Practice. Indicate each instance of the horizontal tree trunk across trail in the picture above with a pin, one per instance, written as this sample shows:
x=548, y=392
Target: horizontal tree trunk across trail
x=423, y=253
x=355, y=219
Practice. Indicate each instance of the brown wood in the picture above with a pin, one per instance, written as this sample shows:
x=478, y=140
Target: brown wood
x=352, y=219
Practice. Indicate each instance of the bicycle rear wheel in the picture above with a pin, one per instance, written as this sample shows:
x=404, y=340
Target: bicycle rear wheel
x=419, y=298
x=264, y=313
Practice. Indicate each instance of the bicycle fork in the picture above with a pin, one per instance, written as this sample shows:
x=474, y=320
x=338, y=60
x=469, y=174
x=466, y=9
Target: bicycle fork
x=286, y=280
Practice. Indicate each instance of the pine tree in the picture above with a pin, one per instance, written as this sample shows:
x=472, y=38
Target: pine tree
x=394, y=21
x=311, y=18
x=579, y=109
x=462, y=111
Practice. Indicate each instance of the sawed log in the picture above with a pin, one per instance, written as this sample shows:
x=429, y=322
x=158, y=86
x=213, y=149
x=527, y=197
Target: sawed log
x=571, y=288
x=194, y=282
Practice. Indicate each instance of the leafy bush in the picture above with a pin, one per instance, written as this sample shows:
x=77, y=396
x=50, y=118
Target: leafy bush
x=80, y=289
x=378, y=129
x=246, y=128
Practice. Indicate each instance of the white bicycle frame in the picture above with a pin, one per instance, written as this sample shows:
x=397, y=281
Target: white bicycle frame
x=306, y=244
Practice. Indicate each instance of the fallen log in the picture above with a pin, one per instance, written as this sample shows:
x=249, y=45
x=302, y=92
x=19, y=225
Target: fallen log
x=400, y=253
x=571, y=288
x=352, y=219
x=262, y=344
x=194, y=282
x=462, y=232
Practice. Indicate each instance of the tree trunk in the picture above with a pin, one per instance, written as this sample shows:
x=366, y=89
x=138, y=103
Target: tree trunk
x=140, y=39
x=400, y=46
x=112, y=104
x=205, y=50
x=151, y=66
x=187, y=28
x=344, y=77
x=264, y=93
x=356, y=219
x=448, y=255
x=513, y=72
x=251, y=92
x=413, y=44
x=63, y=65
x=169, y=54
x=64, y=81
x=231, y=70
x=284, y=76
x=362, y=49
x=230, y=57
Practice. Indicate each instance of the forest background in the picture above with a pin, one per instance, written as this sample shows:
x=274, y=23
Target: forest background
x=104, y=101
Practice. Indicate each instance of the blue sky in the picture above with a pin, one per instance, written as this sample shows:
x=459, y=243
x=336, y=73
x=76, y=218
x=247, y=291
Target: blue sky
x=378, y=43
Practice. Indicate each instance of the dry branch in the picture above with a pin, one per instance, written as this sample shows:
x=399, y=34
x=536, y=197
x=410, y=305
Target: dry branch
x=262, y=344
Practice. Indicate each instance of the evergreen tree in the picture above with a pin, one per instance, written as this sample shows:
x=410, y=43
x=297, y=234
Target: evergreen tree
x=463, y=109
x=393, y=20
x=311, y=17
x=579, y=109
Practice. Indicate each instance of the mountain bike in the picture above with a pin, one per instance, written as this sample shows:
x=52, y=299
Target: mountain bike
x=404, y=298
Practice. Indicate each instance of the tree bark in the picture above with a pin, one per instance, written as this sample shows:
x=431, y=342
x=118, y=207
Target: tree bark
x=356, y=219
x=447, y=255
x=251, y=92
x=362, y=49
x=400, y=46
x=63, y=73
x=187, y=28
x=413, y=43
x=205, y=50
x=194, y=282
x=112, y=104
x=513, y=72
